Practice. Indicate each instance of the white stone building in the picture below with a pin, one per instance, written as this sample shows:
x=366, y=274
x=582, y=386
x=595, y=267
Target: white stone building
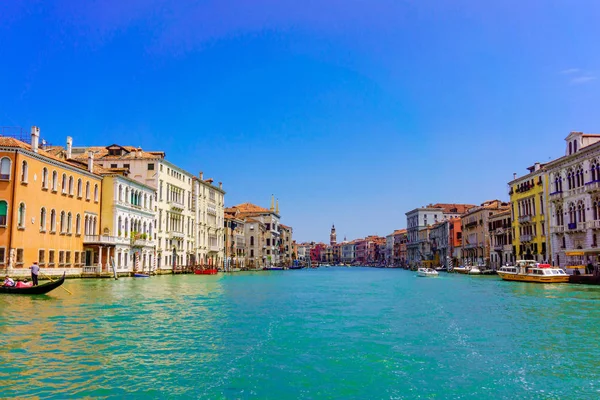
x=180, y=200
x=128, y=217
x=574, y=185
x=210, y=224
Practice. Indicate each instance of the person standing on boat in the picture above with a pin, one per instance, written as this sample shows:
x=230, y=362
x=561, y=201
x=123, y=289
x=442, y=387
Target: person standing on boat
x=35, y=271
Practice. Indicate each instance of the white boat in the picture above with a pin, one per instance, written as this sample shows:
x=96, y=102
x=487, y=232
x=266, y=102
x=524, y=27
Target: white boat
x=461, y=270
x=427, y=272
x=530, y=271
x=474, y=270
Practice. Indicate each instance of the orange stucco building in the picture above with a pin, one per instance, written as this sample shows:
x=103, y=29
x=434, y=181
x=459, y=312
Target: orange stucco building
x=47, y=205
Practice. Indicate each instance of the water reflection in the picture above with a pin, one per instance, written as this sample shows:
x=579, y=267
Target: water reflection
x=334, y=333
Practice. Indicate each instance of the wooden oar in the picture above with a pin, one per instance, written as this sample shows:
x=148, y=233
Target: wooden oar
x=64, y=288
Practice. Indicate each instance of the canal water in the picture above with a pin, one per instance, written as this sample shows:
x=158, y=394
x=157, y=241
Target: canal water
x=330, y=333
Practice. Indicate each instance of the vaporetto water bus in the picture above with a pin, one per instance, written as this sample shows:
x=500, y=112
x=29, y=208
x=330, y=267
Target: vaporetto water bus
x=531, y=271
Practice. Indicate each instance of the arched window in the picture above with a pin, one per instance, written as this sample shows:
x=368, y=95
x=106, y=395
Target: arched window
x=78, y=224
x=79, y=188
x=62, y=222
x=3, y=212
x=71, y=183
x=64, y=183
x=570, y=148
x=21, y=216
x=54, y=181
x=45, y=178
x=251, y=240
x=86, y=225
x=52, y=221
x=94, y=226
x=43, y=219
x=119, y=232
x=127, y=195
x=87, y=190
x=572, y=216
x=5, y=165
x=96, y=193
x=69, y=222
x=574, y=146
x=24, y=171
x=120, y=193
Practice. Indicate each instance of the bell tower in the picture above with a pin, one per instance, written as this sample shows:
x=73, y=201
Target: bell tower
x=332, y=236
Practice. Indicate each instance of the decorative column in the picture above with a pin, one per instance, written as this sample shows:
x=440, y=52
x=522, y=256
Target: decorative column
x=100, y=258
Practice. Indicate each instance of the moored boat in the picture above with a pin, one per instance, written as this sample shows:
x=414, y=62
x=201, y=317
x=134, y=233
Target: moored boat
x=210, y=271
x=40, y=289
x=460, y=270
x=273, y=268
x=427, y=272
x=140, y=275
x=474, y=270
x=531, y=271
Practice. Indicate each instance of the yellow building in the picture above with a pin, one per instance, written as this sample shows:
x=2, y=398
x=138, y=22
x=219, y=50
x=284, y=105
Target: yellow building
x=529, y=202
x=47, y=205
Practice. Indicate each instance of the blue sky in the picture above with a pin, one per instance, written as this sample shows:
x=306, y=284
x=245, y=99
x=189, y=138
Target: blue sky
x=350, y=112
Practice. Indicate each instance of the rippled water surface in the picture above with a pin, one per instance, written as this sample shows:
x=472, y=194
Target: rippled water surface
x=331, y=333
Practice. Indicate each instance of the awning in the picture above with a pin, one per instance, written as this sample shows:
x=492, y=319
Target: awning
x=574, y=253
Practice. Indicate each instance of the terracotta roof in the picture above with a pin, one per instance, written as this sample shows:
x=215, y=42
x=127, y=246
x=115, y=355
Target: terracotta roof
x=448, y=208
x=399, y=232
x=246, y=208
x=129, y=152
x=11, y=142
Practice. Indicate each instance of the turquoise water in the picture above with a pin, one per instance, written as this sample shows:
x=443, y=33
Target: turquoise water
x=331, y=333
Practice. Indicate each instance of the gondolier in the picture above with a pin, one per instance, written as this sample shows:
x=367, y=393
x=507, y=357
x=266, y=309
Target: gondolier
x=35, y=270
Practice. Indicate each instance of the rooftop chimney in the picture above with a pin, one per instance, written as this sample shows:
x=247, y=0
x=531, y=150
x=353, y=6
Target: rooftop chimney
x=514, y=175
x=35, y=138
x=220, y=185
x=537, y=166
x=69, y=146
x=201, y=175
x=139, y=152
x=91, y=161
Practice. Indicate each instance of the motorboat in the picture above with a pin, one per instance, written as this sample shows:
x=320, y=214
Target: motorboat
x=427, y=272
x=461, y=270
x=531, y=271
x=474, y=270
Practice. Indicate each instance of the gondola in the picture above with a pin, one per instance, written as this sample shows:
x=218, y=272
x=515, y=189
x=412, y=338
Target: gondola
x=40, y=289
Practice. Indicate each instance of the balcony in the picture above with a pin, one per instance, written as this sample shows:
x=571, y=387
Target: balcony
x=214, y=247
x=556, y=196
x=105, y=240
x=498, y=248
x=577, y=226
x=592, y=186
x=526, y=238
x=557, y=229
x=176, y=235
x=593, y=224
x=499, y=231
x=523, y=219
x=143, y=243
x=176, y=205
x=576, y=191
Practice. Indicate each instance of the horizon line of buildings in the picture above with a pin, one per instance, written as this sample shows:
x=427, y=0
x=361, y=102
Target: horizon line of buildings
x=553, y=216
x=104, y=209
